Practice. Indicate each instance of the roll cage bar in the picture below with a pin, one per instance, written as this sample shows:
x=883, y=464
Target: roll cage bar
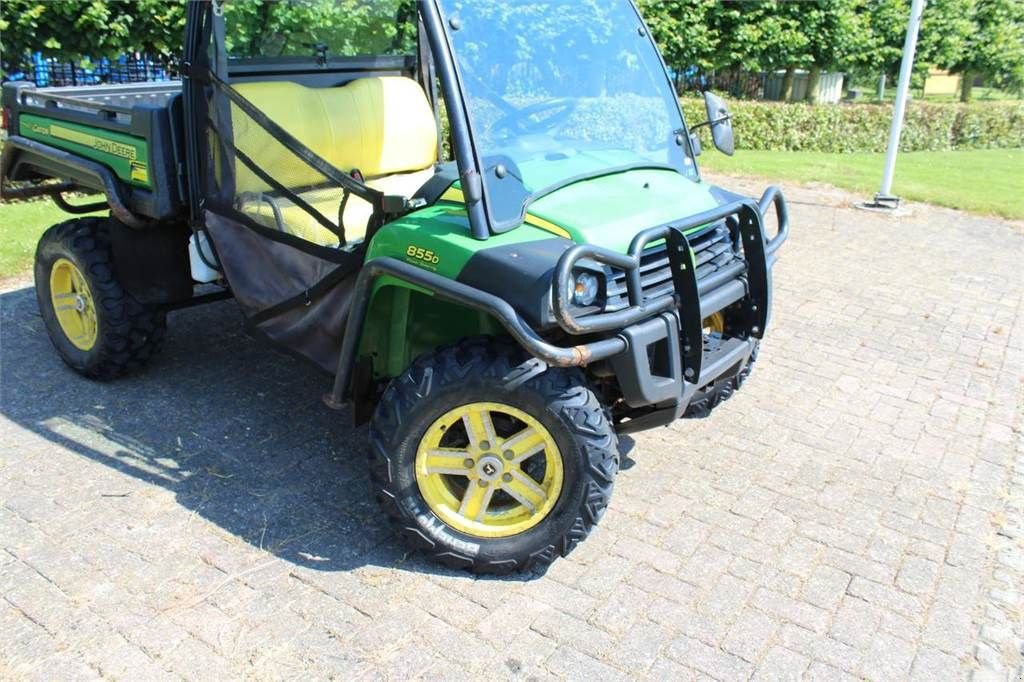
x=435, y=56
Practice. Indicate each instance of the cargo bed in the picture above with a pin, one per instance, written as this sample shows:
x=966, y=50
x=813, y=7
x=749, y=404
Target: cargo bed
x=121, y=140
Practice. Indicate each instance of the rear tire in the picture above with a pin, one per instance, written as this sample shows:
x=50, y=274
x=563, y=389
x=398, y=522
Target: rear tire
x=99, y=329
x=504, y=535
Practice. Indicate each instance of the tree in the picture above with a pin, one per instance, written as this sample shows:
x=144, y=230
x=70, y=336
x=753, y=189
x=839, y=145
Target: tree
x=837, y=31
x=762, y=35
x=684, y=32
x=883, y=27
x=946, y=28
x=294, y=27
x=993, y=47
x=75, y=29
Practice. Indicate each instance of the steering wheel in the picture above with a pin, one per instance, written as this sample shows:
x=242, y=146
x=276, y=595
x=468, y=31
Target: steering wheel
x=518, y=120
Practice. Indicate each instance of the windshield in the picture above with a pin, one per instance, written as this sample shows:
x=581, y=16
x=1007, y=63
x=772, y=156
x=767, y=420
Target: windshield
x=560, y=90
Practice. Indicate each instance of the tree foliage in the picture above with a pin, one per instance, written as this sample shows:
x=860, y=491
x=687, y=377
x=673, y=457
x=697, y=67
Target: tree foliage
x=683, y=30
x=992, y=44
x=969, y=36
x=295, y=27
x=90, y=28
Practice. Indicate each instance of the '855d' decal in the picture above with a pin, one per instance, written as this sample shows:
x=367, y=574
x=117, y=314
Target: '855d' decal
x=422, y=257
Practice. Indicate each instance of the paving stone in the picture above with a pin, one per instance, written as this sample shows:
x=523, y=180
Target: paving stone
x=621, y=609
x=822, y=672
x=639, y=647
x=750, y=635
x=855, y=623
x=801, y=613
x=885, y=596
x=821, y=648
x=888, y=658
x=708, y=660
x=573, y=632
x=949, y=629
x=932, y=664
x=917, y=575
x=782, y=664
x=667, y=669
x=527, y=652
x=572, y=664
x=825, y=587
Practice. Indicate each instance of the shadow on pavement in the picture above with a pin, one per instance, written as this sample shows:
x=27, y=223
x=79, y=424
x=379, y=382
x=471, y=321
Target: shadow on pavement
x=235, y=430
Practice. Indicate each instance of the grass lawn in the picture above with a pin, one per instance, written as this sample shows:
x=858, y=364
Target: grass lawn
x=979, y=94
x=982, y=181
x=20, y=226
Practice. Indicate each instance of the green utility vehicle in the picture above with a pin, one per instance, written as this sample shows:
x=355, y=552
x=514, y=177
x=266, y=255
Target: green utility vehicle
x=483, y=218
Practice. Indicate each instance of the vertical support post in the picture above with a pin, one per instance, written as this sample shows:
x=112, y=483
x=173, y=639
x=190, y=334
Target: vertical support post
x=881, y=87
x=899, y=109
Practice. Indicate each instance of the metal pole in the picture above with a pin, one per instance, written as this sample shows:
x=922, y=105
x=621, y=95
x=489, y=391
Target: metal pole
x=899, y=109
x=881, y=87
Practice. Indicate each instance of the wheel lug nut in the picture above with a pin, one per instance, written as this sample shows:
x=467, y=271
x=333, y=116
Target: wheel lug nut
x=508, y=454
x=485, y=445
x=482, y=483
x=468, y=463
x=507, y=478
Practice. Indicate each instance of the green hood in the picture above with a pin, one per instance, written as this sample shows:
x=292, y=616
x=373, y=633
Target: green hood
x=608, y=211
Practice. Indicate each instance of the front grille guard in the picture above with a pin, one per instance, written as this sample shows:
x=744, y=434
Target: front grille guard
x=759, y=255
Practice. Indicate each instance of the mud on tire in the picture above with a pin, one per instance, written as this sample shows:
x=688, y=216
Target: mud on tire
x=128, y=334
x=486, y=370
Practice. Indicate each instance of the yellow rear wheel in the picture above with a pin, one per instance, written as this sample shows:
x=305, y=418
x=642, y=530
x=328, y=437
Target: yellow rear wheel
x=97, y=326
x=73, y=304
x=489, y=470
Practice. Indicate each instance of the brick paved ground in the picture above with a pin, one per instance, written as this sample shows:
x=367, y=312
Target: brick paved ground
x=857, y=511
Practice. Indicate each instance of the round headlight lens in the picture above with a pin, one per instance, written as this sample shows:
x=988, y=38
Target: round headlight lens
x=585, y=289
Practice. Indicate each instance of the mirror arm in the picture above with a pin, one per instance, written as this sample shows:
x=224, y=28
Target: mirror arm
x=712, y=123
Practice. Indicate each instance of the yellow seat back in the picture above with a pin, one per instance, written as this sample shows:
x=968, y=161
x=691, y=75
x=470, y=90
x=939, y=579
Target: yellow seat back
x=381, y=126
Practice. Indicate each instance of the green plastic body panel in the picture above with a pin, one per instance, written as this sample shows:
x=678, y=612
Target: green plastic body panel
x=405, y=321
x=608, y=211
x=126, y=155
x=437, y=238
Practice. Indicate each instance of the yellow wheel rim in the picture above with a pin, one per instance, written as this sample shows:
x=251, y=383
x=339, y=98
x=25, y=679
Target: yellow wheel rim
x=73, y=304
x=489, y=470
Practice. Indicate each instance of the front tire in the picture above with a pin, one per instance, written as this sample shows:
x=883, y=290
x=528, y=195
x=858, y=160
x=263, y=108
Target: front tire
x=710, y=397
x=488, y=473
x=99, y=329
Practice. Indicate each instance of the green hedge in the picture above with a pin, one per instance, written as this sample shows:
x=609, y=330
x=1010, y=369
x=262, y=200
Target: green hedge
x=865, y=127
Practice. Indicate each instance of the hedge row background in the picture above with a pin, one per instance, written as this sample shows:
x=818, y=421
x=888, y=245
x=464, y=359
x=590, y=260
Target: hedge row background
x=844, y=128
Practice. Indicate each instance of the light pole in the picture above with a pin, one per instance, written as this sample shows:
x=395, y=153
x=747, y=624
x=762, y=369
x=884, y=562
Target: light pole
x=884, y=198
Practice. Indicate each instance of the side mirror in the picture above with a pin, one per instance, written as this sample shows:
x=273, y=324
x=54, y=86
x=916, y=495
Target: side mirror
x=721, y=123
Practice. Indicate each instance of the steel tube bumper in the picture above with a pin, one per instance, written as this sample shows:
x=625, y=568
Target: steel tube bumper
x=457, y=292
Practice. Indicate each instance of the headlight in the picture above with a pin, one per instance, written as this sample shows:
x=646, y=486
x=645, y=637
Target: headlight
x=585, y=289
